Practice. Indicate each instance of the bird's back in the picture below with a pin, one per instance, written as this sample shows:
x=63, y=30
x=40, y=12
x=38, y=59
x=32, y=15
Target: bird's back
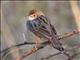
x=43, y=29
x=40, y=27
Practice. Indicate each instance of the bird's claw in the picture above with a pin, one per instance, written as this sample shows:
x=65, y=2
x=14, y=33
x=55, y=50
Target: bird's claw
x=36, y=48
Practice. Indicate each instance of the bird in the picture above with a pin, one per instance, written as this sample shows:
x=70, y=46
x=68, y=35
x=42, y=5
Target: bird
x=39, y=24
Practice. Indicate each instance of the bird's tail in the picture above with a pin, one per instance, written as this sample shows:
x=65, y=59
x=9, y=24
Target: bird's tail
x=56, y=44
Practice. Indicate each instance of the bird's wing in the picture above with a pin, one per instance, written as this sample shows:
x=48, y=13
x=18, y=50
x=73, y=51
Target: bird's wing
x=35, y=27
x=42, y=28
x=47, y=27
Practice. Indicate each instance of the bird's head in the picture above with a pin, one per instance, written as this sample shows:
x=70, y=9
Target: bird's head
x=33, y=14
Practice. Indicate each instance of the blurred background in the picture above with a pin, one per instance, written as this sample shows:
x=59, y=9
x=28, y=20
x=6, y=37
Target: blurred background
x=14, y=31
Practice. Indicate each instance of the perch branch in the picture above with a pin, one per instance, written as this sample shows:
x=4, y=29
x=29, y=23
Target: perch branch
x=65, y=35
x=71, y=57
x=34, y=50
x=51, y=55
x=74, y=55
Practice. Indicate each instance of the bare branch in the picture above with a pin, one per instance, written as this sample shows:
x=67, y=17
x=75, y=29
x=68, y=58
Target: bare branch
x=69, y=57
x=51, y=55
x=34, y=49
x=65, y=35
x=74, y=55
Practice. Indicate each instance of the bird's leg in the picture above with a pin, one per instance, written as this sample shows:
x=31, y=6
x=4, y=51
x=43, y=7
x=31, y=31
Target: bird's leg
x=37, y=41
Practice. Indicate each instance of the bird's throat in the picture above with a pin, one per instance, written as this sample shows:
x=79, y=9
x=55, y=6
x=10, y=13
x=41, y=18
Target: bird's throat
x=31, y=18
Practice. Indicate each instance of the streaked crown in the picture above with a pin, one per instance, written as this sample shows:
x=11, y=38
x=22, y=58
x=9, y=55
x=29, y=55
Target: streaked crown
x=33, y=14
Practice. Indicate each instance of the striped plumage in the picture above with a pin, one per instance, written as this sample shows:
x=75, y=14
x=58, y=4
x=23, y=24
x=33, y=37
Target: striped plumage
x=42, y=28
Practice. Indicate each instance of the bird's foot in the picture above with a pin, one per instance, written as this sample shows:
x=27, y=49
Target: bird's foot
x=36, y=47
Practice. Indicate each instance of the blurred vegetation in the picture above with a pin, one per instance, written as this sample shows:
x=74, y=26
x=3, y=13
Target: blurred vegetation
x=13, y=25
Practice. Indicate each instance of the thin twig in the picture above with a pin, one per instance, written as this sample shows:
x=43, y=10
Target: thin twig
x=33, y=50
x=65, y=35
x=69, y=57
x=51, y=55
x=74, y=55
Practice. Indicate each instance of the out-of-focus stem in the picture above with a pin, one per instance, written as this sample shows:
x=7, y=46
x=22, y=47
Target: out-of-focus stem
x=76, y=12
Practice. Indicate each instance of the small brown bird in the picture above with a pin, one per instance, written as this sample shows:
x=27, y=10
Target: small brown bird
x=40, y=25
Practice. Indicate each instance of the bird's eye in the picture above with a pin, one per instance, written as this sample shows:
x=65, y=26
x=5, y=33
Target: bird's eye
x=34, y=15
